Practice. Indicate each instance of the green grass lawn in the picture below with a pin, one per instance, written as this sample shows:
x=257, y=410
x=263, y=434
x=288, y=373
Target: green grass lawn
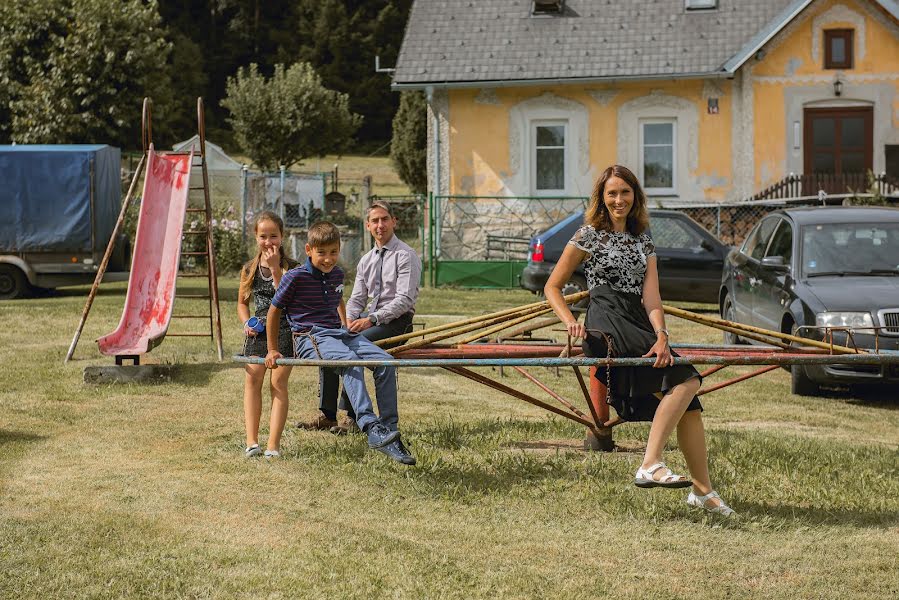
x=137, y=491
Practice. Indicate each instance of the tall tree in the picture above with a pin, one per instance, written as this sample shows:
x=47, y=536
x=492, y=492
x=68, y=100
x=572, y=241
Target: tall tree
x=341, y=38
x=408, y=149
x=76, y=70
x=287, y=118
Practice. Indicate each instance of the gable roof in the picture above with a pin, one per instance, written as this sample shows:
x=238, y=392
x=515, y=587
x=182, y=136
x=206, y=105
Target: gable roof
x=472, y=43
x=782, y=20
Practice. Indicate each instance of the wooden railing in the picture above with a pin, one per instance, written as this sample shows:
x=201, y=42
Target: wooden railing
x=810, y=184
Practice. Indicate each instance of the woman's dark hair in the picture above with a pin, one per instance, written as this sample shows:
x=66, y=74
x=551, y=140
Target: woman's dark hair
x=597, y=214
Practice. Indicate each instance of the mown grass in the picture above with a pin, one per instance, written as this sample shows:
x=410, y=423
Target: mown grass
x=142, y=491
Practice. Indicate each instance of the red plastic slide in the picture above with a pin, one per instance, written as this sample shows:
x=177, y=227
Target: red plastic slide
x=157, y=250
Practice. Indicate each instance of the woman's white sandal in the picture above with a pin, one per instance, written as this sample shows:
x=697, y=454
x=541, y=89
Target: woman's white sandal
x=645, y=478
x=701, y=502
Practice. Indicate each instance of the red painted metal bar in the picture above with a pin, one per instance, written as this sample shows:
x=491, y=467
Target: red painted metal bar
x=516, y=394
x=546, y=389
x=598, y=393
x=724, y=384
x=554, y=350
x=714, y=369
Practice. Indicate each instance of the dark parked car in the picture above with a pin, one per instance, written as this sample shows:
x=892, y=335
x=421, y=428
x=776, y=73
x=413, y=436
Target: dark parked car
x=690, y=258
x=808, y=268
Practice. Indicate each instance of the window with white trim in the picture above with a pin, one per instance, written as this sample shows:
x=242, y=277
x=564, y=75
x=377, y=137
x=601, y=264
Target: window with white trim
x=549, y=157
x=658, y=140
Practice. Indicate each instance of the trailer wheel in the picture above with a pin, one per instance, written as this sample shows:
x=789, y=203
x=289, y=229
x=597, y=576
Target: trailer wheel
x=12, y=282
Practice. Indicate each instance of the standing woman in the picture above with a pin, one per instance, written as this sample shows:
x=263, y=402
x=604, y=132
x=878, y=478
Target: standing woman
x=626, y=310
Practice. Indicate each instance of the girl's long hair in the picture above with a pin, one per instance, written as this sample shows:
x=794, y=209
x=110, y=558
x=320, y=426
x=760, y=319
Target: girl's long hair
x=597, y=214
x=248, y=271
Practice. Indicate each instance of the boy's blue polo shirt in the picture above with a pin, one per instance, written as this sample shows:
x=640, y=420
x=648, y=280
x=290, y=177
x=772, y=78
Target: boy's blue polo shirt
x=310, y=297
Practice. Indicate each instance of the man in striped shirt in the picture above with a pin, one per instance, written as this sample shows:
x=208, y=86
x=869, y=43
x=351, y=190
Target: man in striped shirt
x=312, y=296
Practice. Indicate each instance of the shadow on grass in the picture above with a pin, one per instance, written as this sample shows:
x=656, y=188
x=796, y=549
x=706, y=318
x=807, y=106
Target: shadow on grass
x=819, y=516
x=202, y=373
x=19, y=437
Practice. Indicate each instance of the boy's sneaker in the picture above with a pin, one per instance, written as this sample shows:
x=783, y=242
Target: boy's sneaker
x=398, y=452
x=252, y=451
x=379, y=436
x=272, y=454
x=318, y=423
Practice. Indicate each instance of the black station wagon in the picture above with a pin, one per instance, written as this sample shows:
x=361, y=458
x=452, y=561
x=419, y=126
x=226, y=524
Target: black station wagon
x=806, y=269
x=690, y=258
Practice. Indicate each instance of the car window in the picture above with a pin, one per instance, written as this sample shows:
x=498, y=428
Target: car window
x=850, y=247
x=758, y=240
x=782, y=242
x=673, y=233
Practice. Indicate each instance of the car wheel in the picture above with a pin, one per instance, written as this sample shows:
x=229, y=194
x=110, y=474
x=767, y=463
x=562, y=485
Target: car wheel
x=729, y=314
x=576, y=284
x=800, y=384
x=12, y=282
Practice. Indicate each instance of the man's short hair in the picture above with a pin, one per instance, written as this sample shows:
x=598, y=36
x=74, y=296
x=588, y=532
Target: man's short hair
x=378, y=204
x=323, y=233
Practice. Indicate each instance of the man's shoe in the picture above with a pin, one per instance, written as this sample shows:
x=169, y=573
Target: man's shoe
x=347, y=425
x=398, y=452
x=379, y=436
x=318, y=423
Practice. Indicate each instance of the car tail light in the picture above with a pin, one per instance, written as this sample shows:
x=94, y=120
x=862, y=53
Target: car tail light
x=537, y=254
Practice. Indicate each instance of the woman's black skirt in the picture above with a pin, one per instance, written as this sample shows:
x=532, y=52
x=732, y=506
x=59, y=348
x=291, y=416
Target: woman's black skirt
x=621, y=316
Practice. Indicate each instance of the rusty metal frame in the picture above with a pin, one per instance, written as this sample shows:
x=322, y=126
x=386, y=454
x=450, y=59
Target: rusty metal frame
x=458, y=359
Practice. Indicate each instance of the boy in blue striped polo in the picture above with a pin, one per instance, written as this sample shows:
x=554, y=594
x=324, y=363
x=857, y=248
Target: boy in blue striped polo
x=312, y=296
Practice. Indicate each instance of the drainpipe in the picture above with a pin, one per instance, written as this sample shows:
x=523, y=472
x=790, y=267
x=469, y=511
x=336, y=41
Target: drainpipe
x=429, y=91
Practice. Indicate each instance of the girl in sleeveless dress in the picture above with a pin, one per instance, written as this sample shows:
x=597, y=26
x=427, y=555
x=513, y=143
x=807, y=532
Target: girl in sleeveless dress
x=259, y=279
x=625, y=311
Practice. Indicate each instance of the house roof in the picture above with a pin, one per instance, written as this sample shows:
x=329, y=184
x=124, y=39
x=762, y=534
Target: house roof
x=462, y=43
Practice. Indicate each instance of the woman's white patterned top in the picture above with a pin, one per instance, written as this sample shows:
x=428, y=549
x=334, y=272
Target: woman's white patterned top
x=616, y=259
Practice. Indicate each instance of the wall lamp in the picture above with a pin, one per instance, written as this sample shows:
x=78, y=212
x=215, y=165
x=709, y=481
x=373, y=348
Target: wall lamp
x=837, y=87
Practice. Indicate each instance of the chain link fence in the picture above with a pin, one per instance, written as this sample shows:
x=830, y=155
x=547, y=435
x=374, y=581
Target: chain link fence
x=482, y=241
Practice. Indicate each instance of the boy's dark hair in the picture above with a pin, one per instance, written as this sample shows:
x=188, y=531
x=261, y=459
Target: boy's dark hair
x=323, y=233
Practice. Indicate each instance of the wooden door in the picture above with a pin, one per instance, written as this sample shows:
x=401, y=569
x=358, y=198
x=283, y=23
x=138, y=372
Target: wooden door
x=839, y=149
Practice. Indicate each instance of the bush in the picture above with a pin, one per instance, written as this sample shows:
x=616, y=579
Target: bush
x=230, y=251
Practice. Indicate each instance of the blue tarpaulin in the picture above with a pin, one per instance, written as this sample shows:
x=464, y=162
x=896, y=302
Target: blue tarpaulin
x=58, y=198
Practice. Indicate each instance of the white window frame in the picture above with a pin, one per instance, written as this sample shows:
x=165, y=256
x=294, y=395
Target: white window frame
x=668, y=191
x=565, y=156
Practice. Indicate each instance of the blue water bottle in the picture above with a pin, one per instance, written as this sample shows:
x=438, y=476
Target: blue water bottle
x=256, y=324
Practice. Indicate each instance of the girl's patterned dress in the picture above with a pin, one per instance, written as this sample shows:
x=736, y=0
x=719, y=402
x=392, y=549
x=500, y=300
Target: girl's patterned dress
x=263, y=289
x=615, y=268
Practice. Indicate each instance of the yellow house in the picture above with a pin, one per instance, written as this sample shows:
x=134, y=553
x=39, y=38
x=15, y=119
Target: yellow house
x=706, y=100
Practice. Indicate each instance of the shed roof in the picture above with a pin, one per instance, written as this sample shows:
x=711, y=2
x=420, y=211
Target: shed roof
x=216, y=158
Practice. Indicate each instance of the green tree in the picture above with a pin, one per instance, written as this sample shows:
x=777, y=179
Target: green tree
x=408, y=149
x=287, y=118
x=76, y=70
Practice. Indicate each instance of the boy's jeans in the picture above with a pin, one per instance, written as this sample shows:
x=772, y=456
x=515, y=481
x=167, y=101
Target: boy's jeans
x=340, y=344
